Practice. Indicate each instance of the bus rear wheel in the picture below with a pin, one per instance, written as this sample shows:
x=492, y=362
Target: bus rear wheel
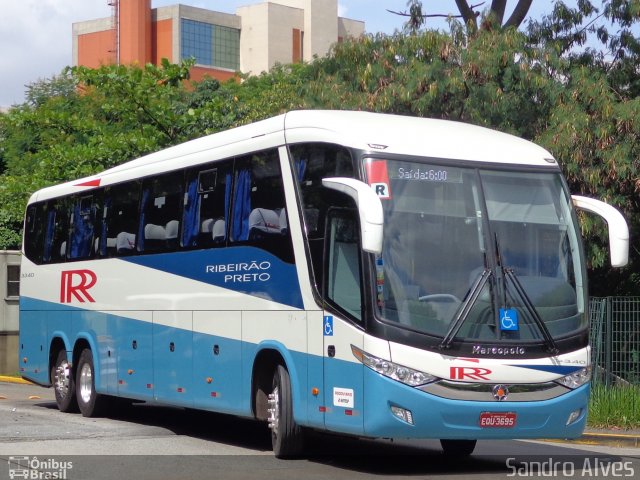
x=458, y=448
x=286, y=437
x=90, y=402
x=64, y=384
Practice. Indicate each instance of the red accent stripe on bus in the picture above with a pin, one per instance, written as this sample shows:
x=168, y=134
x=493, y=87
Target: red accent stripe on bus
x=90, y=183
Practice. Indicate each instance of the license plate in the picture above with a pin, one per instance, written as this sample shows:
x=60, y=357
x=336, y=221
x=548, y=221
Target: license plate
x=497, y=419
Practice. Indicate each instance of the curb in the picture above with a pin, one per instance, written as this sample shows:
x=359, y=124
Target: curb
x=612, y=439
x=607, y=439
x=10, y=379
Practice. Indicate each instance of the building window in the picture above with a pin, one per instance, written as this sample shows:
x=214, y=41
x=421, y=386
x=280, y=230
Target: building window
x=196, y=41
x=210, y=45
x=13, y=281
x=226, y=47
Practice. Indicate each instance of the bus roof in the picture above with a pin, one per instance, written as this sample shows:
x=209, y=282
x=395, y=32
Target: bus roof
x=374, y=132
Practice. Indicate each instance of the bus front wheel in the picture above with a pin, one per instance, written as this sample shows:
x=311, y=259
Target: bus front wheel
x=458, y=448
x=286, y=436
x=64, y=384
x=91, y=403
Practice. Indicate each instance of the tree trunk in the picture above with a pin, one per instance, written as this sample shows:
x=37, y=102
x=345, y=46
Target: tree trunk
x=467, y=13
x=497, y=8
x=517, y=17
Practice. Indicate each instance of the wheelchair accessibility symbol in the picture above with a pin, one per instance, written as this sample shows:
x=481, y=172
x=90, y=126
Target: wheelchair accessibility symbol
x=509, y=319
x=328, y=326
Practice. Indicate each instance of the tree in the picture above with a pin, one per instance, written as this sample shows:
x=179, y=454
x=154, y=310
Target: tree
x=469, y=14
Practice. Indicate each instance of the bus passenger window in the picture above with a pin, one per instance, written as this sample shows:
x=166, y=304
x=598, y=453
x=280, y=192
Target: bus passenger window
x=35, y=226
x=119, y=219
x=55, y=244
x=259, y=216
x=160, y=213
x=83, y=228
x=206, y=207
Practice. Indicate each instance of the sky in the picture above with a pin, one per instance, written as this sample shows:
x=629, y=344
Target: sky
x=35, y=35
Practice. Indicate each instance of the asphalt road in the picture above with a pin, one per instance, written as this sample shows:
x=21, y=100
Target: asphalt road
x=144, y=441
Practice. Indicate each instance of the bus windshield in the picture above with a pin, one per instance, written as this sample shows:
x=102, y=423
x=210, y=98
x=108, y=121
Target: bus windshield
x=496, y=251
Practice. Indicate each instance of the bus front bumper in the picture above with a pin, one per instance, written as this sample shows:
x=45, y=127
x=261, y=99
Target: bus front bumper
x=387, y=401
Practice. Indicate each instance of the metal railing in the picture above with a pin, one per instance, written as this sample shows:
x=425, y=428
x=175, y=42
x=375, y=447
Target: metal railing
x=615, y=340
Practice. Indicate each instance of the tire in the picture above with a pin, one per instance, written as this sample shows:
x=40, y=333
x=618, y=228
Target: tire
x=458, y=448
x=63, y=384
x=287, y=438
x=91, y=403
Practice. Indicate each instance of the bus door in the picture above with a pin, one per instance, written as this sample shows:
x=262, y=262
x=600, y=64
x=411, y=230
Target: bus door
x=343, y=376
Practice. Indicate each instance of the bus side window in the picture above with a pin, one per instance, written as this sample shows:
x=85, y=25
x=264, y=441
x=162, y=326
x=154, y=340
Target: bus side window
x=35, y=229
x=119, y=222
x=343, y=262
x=259, y=216
x=161, y=208
x=57, y=231
x=311, y=163
x=206, y=206
x=83, y=233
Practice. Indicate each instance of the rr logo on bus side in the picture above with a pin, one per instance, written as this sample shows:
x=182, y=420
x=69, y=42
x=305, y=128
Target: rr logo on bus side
x=470, y=373
x=76, y=283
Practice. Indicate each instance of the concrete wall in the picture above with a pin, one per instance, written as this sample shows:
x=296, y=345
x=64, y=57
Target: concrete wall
x=9, y=324
x=254, y=45
x=94, y=42
x=271, y=30
x=350, y=28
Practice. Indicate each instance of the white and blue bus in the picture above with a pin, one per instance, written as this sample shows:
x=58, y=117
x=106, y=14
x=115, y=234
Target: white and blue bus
x=359, y=273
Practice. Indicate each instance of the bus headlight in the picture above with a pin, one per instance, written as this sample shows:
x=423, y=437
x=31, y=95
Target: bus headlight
x=402, y=374
x=576, y=379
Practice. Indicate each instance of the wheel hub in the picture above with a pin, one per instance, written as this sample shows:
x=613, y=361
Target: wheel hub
x=86, y=384
x=273, y=410
x=63, y=378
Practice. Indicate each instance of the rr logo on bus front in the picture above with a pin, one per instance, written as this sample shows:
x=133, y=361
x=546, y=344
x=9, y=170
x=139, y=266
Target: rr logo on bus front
x=77, y=283
x=469, y=373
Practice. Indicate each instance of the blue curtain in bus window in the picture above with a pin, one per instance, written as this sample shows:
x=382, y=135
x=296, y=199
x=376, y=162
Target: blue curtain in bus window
x=242, y=206
x=301, y=167
x=227, y=198
x=103, y=227
x=82, y=234
x=146, y=193
x=48, y=239
x=191, y=215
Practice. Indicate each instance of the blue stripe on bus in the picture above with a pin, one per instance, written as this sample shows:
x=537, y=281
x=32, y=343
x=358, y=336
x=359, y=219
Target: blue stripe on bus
x=559, y=369
x=247, y=270
x=149, y=361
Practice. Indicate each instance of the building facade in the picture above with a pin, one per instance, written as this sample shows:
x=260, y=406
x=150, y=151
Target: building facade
x=9, y=310
x=252, y=41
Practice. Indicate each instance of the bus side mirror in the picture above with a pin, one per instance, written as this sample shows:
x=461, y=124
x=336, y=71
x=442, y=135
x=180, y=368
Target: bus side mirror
x=369, y=210
x=618, y=229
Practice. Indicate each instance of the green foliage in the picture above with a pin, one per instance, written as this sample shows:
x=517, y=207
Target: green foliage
x=614, y=407
x=490, y=79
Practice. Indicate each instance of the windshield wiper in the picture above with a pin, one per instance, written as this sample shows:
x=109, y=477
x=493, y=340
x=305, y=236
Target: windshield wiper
x=465, y=308
x=548, y=339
